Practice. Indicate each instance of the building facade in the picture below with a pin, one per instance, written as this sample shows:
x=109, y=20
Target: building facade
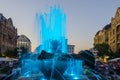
x=114, y=33
x=102, y=35
x=8, y=34
x=71, y=49
x=111, y=33
x=23, y=41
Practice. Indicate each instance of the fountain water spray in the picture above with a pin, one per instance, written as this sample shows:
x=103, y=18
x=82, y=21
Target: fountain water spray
x=53, y=30
x=55, y=65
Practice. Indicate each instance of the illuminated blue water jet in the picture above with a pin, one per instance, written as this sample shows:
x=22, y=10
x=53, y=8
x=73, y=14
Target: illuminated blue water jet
x=53, y=30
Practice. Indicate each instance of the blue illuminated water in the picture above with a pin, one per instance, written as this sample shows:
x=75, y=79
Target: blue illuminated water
x=53, y=30
x=52, y=27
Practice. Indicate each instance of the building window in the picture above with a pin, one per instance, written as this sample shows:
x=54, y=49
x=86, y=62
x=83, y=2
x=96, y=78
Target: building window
x=110, y=34
x=118, y=45
x=118, y=28
x=114, y=41
x=113, y=31
x=118, y=37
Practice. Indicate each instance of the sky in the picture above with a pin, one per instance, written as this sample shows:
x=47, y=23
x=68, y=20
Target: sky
x=84, y=18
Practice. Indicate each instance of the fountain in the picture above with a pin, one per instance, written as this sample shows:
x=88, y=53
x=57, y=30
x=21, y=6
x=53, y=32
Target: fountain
x=51, y=61
x=52, y=27
x=51, y=64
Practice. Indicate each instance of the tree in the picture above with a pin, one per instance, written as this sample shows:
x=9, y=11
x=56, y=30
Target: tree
x=117, y=53
x=12, y=53
x=15, y=53
x=103, y=50
x=0, y=54
x=8, y=53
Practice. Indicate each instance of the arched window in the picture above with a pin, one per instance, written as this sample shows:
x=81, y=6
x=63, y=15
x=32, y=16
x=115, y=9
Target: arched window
x=118, y=45
x=118, y=28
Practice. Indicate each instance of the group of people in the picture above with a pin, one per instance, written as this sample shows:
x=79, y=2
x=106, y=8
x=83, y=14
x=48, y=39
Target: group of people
x=7, y=66
x=110, y=70
x=115, y=66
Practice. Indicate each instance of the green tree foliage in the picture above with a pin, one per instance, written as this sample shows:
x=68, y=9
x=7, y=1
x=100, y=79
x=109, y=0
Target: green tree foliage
x=13, y=53
x=117, y=53
x=103, y=50
x=0, y=54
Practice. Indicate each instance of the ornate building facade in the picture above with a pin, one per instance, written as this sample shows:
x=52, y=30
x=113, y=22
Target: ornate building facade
x=114, y=32
x=111, y=33
x=102, y=35
x=8, y=34
x=23, y=41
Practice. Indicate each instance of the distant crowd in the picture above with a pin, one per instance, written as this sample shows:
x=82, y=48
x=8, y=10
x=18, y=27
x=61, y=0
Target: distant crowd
x=110, y=70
